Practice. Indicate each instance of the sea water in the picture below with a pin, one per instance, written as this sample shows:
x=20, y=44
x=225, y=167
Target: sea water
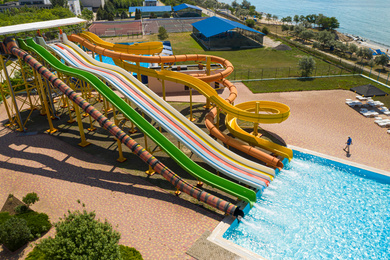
x=367, y=19
x=319, y=209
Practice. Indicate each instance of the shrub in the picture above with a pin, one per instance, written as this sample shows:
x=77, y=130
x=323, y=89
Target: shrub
x=265, y=30
x=129, y=253
x=38, y=223
x=20, y=209
x=4, y=216
x=162, y=33
x=14, y=233
x=30, y=198
x=36, y=254
x=79, y=234
x=306, y=64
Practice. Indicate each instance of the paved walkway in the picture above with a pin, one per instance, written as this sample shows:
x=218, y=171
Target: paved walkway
x=155, y=222
x=321, y=121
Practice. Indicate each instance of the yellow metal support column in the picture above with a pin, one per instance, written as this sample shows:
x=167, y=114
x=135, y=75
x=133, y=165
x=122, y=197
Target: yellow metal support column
x=71, y=120
x=83, y=142
x=52, y=129
x=191, y=118
x=121, y=158
x=25, y=83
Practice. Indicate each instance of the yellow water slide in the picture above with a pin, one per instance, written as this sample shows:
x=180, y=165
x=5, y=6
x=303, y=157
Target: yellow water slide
x=262, y=107
x=144, y=48
x=276, y=112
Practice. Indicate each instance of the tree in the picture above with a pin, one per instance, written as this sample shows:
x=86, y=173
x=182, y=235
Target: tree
x=87, y=15
x=79, y=235
x=14, y=233
x=275, y=17
x=285, y=27
x=166, y=15
x=59, y=3
x=245, y=4
x=110, y=17
x=325, y=38
x=367, y=53
x=306, y=35
x=371, y=63
x=100, y=14
x=137, y=14
x=306, y=64
x=153, y=15
x=250, y=23
x=265, y=30
x=360, y=53
x=30, y=199
x=352, y=49
x=382, y=59
x=268, y=16
x=235, y=4
x=288, y=19
x=296, y=19
x=316, y=45
x=298, y=29
x=124, y=15
x=162, y=33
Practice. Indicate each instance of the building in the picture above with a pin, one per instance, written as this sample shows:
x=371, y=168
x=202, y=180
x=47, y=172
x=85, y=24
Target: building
x=74, y=6
x=186, y=10
x=217, y=33
x=146, y=11
x=92, y=4
x=150, y=3
x=34, y=2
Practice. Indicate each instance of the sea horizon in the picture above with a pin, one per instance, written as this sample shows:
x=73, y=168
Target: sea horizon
x=356, y=17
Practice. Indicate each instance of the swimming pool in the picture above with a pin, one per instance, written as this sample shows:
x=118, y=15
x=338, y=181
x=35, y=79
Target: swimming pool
x=318, y=208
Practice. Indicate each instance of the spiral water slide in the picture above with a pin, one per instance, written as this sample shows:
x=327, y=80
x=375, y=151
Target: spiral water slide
x=280, y=112
x=119, y=134
x=210, y=151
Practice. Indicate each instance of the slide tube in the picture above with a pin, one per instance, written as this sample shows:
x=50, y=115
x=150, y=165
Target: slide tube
x=159, y=167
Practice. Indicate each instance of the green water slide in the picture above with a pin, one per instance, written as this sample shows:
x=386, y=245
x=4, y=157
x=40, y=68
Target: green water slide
x=175, y=153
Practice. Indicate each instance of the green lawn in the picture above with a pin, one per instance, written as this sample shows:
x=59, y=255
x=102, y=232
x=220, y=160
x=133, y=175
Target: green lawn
x=254, y=63
x=266, y=86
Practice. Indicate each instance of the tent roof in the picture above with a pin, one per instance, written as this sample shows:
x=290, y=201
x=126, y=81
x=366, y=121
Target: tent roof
x=149, y=9
x=216, y=25
x=39, y=25
x=368, y=91
x=184, y=6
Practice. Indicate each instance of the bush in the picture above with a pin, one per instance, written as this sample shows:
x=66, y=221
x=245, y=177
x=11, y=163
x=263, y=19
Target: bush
x=36, y=254
x=20, y=209
x=4, y=216
x=306, y=64
x=30, y=198
x=14, y=233
x=38, y=223
x=162, y=33
x=129, y=253
x=79, y=234
x=265, y=30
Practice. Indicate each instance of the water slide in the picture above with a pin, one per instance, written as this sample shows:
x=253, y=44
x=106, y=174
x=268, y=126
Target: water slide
x=122, y=136
x=144, y=48
x=185, y=162
x=210, y=151
x=277, y=112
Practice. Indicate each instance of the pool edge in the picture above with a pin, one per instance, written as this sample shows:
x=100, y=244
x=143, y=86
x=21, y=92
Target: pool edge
x=216, y=236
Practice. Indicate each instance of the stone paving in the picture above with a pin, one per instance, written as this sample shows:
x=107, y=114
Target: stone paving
x=155, y=222
x=158, y=224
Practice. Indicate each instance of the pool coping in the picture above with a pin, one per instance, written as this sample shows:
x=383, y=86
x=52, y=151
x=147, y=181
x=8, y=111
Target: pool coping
x=216, y=236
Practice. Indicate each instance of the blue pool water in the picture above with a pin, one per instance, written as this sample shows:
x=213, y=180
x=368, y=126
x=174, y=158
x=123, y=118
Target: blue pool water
x=319, y=209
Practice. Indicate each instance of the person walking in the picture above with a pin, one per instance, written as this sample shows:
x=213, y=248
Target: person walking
x=349, y=142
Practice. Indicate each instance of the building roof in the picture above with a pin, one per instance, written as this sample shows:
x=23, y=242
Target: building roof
x=149, y=9
x=184, y=6
x=39, y=25
x=216, y=25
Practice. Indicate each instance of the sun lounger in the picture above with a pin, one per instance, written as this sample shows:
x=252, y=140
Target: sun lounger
x=354, y=103
x=384, y=123
x=379, y=52
x=370, y=113
x=361, y=98
x=388, y=131
x=375, y=103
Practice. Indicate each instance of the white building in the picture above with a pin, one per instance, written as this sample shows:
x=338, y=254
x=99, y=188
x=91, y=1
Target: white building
x=74, y=6
x=34, y=2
